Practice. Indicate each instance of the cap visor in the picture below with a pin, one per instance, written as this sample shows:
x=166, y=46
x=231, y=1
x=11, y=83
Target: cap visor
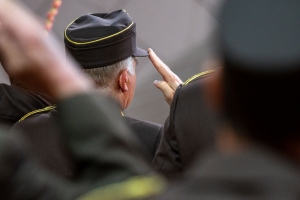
x=140, y=53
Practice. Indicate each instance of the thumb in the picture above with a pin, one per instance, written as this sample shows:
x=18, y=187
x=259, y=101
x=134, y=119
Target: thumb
x=166, y=90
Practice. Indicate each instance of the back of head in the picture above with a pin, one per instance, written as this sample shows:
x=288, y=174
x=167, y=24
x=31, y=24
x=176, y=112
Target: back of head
x=102, y=39
x=259, y=43
x=102, y=43
x=106, y=77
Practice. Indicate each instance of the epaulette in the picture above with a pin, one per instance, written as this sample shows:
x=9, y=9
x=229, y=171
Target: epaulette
x=137, y=187
x=201, y=74
x=48, y=108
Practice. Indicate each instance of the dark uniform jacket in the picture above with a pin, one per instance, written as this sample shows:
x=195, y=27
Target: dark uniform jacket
x=40, y=131
x=118, y=172
x=15, y=102
x=101, y=145
x=189, y=130
x=148, y=133
x=45, y=143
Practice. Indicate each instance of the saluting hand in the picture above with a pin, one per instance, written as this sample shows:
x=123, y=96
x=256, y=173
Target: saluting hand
x=170, y=80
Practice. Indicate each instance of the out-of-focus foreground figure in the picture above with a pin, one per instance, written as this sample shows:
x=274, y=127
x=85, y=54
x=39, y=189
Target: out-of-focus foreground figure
x=257, y=155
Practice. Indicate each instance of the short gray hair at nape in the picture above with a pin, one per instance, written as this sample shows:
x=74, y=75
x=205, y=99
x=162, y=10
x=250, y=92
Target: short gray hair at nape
x=105, y=77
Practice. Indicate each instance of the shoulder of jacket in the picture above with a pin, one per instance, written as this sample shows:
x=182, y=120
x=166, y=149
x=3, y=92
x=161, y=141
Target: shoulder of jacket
x=200, y=75
x=144, y=123
x=46, y=109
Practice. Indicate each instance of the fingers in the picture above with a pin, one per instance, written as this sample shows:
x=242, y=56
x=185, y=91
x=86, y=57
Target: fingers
x=166, y=90
x=158, y=64
x=172, y=79
x=161, y=67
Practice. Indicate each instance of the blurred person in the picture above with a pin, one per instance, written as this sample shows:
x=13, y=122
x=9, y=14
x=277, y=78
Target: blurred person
x=257, y=145
x=20, y=98
x=247, y=163
x=255, y=91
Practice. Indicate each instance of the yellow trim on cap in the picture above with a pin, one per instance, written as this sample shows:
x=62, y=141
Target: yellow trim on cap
x=48, y=108
x=110, y=36
x=133, y=188
x=198, y=76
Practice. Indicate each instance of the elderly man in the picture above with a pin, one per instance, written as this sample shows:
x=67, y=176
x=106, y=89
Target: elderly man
x=257, y=154
x=21, y=53
x=104, y=46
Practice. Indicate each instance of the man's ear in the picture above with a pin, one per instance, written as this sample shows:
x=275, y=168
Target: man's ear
x=123, y=80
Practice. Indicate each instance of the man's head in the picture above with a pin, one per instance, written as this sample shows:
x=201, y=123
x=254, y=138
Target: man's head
x=260, y=79
x=104, y=44
x=117, y=80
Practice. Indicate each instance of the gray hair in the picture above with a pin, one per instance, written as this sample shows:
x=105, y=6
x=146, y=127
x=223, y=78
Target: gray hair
x=105, y=77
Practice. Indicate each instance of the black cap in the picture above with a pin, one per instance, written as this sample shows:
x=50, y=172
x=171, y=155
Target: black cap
x=102, y=39
x=260, y=42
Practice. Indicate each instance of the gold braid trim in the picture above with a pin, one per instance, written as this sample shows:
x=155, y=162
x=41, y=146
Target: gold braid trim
x=133, y=188
x=122, y=114
x=97, y=40
x=48, y=108
x=198, y=76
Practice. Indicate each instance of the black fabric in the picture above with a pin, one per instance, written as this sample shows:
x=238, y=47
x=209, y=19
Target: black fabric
x=45, y=144
x=101, y=39
x=148, y=133
x=15, y=102
x=256, y=173
x=260, y=49
x=99, y=141
x=188, y=132
x=117, y=143
x=266, y=105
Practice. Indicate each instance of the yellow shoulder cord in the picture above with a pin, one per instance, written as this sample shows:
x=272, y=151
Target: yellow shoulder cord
x=136, y=187
x=96, y=40
x=198, y=76
x=48, y=108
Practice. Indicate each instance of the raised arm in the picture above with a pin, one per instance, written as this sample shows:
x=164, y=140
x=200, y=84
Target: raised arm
x=26, y=52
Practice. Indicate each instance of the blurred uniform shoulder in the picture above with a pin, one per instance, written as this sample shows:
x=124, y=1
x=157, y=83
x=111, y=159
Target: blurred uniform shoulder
x=199, y=76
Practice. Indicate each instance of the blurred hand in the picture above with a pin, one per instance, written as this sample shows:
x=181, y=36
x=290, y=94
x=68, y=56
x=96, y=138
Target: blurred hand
x=26, y=53
x=170, y=80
